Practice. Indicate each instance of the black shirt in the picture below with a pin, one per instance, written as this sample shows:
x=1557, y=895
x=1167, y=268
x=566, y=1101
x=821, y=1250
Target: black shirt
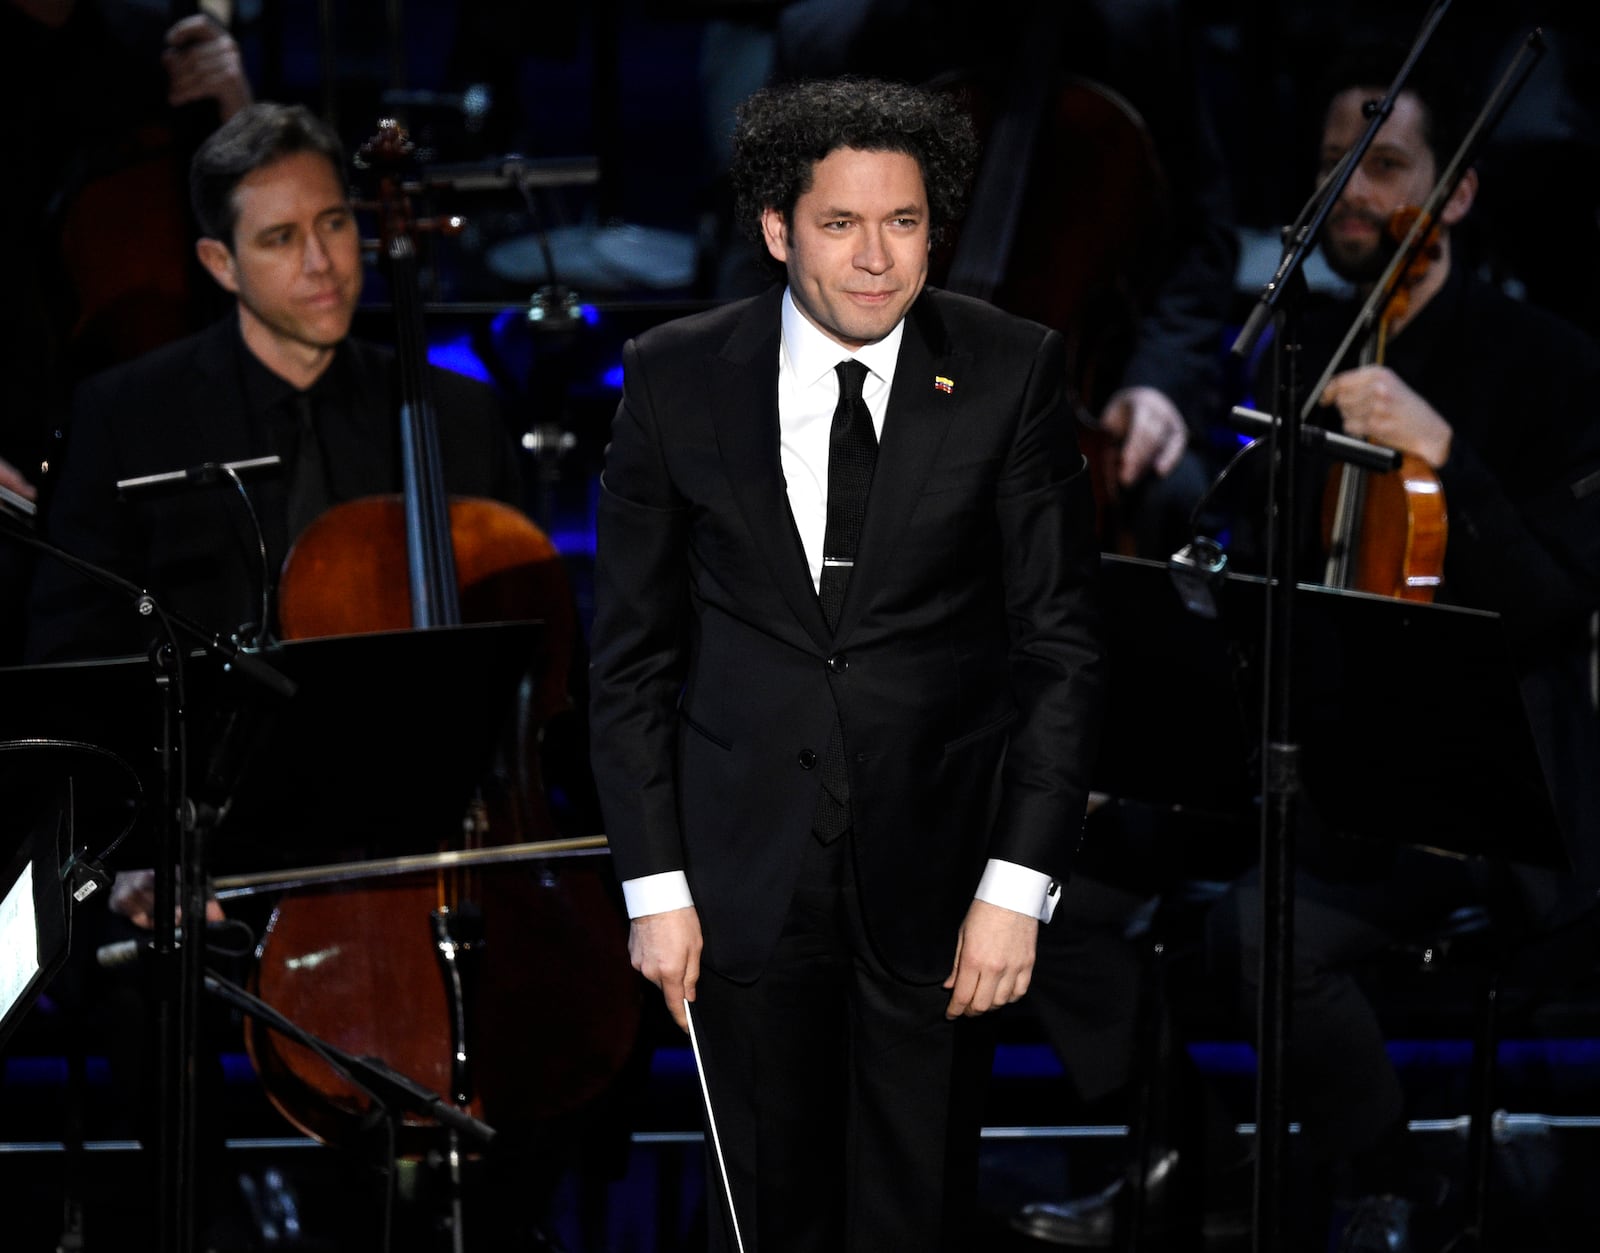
x=206, y=398
x=274, y=406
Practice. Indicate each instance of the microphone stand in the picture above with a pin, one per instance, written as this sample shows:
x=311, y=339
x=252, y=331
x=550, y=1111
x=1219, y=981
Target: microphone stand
x=1280, y=302
x=180, y=840
x=385, y=1085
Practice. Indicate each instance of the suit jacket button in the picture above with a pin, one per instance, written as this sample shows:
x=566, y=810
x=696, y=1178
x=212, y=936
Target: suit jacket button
x=808, y=759
x=838, y=663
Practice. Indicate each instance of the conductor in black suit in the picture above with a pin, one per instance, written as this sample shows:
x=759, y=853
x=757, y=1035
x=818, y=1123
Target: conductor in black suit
x=846, y=679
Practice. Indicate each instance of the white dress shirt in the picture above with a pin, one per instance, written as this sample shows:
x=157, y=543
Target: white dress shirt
x=808, y=392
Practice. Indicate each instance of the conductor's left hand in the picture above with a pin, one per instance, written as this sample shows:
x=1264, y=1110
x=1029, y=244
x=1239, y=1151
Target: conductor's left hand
x=994, y=960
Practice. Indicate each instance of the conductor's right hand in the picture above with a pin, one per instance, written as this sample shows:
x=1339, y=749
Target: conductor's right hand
x=665, y=949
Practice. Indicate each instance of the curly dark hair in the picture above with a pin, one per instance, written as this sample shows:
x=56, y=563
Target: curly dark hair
x=780, y=133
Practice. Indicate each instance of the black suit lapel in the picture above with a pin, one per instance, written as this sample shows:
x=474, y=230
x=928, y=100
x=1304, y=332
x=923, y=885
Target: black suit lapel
x=914, y=428
x=744, y=405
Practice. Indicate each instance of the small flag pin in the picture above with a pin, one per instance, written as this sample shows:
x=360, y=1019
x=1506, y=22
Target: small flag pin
x=942, y=384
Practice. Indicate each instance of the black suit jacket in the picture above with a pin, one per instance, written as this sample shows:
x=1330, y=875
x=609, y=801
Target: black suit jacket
x=181, y=406
x=965, y=669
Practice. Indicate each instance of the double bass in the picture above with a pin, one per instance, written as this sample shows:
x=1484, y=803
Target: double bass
x=507, y=991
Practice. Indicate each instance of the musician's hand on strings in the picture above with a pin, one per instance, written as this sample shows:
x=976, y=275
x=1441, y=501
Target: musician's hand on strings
x=665, y=949
x=133, y=895
x=1375, y=405
x=11, y=477
x=994, y=960
x=1150, y=433
x=203, y=63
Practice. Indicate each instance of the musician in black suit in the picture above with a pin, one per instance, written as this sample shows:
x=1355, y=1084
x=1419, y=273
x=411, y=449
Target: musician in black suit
x=281, y=376
x=846, y=677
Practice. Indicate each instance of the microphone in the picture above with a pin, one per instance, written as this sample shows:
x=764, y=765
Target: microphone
x=204, y=474
x=126, y=952
x=1343, y=447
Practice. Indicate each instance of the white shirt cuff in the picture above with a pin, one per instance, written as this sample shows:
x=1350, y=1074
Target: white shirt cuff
x=656, y=893
x=1017, y=888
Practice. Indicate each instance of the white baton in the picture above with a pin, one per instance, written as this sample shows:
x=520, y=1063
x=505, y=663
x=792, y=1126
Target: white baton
x=711, y=1121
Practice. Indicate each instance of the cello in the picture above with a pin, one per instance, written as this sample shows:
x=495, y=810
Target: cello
x=437, y=974
x=1386, y=533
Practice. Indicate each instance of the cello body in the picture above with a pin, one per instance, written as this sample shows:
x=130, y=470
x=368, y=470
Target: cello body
x=550, y=1005
x=506, y=990
x=1399, y=535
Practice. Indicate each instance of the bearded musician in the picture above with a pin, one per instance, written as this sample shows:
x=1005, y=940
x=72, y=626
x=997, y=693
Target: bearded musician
x=1502, y=401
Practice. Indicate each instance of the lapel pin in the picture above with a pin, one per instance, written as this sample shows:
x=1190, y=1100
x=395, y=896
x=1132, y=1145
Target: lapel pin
x=942, y=384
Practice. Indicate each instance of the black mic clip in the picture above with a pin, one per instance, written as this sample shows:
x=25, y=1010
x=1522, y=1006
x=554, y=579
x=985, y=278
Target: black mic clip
x=85, y=875
x=1197, y=571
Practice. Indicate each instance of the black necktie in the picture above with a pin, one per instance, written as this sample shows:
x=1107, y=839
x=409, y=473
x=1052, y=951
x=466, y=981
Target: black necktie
x=852, y=456
x=308, y=472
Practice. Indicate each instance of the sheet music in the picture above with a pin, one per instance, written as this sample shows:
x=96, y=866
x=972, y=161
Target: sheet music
x=19, y=941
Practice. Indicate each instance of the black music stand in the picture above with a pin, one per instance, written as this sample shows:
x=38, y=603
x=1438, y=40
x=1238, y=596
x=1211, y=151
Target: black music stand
x=375, y=752
x=34, y=925
x=378, y=752
x=374, y=755
x=1385, y=688
x=1179, y=727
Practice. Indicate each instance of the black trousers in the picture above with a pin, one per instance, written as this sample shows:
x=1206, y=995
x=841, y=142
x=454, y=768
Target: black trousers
x=848, y=1107
x=1086, y=984
x=1343, y=1088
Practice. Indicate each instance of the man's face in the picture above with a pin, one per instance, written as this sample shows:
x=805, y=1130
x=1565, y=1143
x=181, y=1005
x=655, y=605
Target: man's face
x=1398, y=170
x=295, y=264
x=856, y=246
